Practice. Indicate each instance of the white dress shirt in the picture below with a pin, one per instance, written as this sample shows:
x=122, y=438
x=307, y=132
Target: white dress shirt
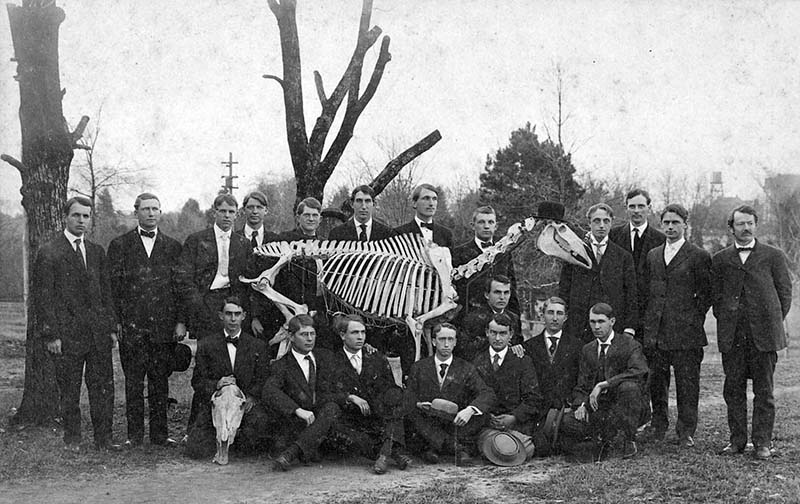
x=71, y=237
x=148, y=242
x=439, y=363
x=548, y=343
x=502, y=355
x=671, y=250
x=221, y=279
x=640, y=229
x=248, y=233
x=745, y=254
x=232, y=347
x=598, y=246
x=606, y=342
x=426, y=233
x=356, y=359
x=301, y=359
x=368, y=230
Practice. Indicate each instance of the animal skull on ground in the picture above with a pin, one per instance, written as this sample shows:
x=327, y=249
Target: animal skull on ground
x=227, y=409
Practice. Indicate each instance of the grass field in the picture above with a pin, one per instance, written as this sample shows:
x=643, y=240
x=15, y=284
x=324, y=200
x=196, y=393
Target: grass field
x=660, y=473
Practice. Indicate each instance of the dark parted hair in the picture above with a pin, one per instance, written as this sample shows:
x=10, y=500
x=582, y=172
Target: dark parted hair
x=418, y=190
x=364, y=188
x=602, y=309
x=599, y=206
x=554, y=300
x=342, y=322
x=745, y=209
x=298, y=321
x=486, y=209
x=225, y=198
x=676, y=209
x=501, y=319
x=487, y=284
x=444, y=325
x=232, y=299
x=256, y=195
x=144, y=196
x=81, y=200
x=637, y=192
x=310, y=203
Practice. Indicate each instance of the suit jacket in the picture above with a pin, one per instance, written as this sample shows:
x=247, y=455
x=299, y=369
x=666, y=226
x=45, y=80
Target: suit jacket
x=472, y=337
x=269, y=236
x=470, y=290
x=298, y=279
x=441, y=235
x=375, y=384
x=260, y=306
x=556, y=379
x=624, y=362
x=652, y=238
x=197, y=268
x=287, y=389
x=613, y=281
x=349, y=231
x=462, y=385
x=145, y=288
x=73, y=303
x=760, y=288
x=514, y=384
x=212, y=362
x=678, y=297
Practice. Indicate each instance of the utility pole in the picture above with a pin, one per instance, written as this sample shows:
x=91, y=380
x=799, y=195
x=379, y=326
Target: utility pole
x=228, y=187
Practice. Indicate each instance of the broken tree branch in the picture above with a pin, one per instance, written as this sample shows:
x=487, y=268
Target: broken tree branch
x=394, y=166
x=16, y=163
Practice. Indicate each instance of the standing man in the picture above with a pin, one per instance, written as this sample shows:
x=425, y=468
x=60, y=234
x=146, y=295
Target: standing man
x=638, y=238
x=470, y=290
x=678, y=282
x=611, y=280
x=209, y=268
x=255, y=211
x=75, y=314
x=443, y=376
x=142, y=263
x=298, y=279
x=362, y=227
x=752, y=293
x=425, y=201
x=497, y=292
x=609, y=392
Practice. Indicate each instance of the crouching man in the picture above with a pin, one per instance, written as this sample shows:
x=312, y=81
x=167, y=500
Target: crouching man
x=229, y=357
x=294, y=392
x=362, y=384
x=449, y=381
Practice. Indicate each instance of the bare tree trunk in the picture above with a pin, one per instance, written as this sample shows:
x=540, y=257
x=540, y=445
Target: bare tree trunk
x=47, y=150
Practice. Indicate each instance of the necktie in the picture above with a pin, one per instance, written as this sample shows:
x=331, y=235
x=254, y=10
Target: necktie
x=553, y=346
x=222, y=267
x=78, y=251
x=496, y=362
x=428, y=225
x=602, y=369
x=744, y=249
x=598, y=251
x=637, y=246
x=312, y=372
x=486, y=244
x=356, y=362
x=362, y=235
x=148, y=234
x=442, y=371
x=254, y=239
x=233, y=341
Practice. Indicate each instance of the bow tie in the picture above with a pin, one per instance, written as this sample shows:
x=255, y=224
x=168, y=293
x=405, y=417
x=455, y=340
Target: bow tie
x=486, y=244
x=233, y=341
x=428, y=225
x=148, y=234
x=744, y=249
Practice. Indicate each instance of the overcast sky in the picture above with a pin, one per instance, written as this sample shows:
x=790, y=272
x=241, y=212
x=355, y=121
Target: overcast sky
x=691, y=87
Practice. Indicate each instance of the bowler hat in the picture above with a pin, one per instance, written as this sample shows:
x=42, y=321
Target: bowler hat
x=551, y=210
x=181, y=358
x=505, y=448
x=336, y=214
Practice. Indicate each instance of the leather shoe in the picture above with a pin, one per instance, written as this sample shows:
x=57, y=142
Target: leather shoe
x=167, y=443
x=286, y=459
x=629, y=450
x=686, y=442
x=430, y=457
x=130, y=444
x=72, y=448
x=402, y=460
x=381, y=465
x=463, y=458
x=108, y=447
x=762, y=453
x=731, y=449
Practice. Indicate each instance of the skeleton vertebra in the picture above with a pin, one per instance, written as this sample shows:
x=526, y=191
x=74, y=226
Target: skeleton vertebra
x=401, y=279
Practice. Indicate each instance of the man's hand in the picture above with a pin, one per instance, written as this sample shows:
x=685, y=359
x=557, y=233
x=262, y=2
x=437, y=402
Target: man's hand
x=257, y=327
x=114, y=340
x=463, y=416
x=369, y=349
x=306, y=415
x=581, y=414
x=502, y=422
x=361, y=403
x=425, y=405
x=249, y=402
x=226, y=380
x=596, y=391
x=54, y=347
x=180, y=331
x=518, y=350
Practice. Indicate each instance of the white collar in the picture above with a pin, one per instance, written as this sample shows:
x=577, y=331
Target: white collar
x=71, y=237
x=677, y=245
x=596, y=243
x=234, y=336
x=219, y=232
x=351, y=354
x=248, y=231
x=302, y=357
x=420, y=222
x=557, y=335
x=607, y=341
x=748, y=245
x=478, y=242
x=502, y=353
x=640, y=228
x=440, y=362
x=139, y=231
x=358, y=224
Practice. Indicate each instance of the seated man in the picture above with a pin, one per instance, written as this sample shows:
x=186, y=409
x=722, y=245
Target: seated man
x=513, y=379
x=443, y=376
x=608, y=397
x=497, y=292
x=293, y=393
x=363, y=386
x=229, y=357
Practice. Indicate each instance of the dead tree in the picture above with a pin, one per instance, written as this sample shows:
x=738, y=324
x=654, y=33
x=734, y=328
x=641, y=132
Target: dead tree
x=47, y=150
x=312, y=167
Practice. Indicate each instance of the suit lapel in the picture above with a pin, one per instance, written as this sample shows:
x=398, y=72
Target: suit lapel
x=297, y=372
x=682, y=255
x=222, y=349
x=72, y=257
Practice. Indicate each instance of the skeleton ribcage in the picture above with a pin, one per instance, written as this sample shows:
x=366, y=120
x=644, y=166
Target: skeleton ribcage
x=382, y=280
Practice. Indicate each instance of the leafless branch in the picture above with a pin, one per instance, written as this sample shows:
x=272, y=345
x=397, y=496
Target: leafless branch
x=16, y=163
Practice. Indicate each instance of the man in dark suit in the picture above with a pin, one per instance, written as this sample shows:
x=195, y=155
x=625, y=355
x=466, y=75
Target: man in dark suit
x=294, y=393
x=472, y=340
x=362, y=227
x=425, y=201
x=142, y=264
x=752, y=293
x=678, y=282
x=612, y=374
x=76, y=320
x=229, y=357
x=209, y=268
x=363, y=386
x=443, y=376
x=519, y=401
x=611, y=280
x=555, y=354
x=638, y=238
x=265, y=318
x=470, y=290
